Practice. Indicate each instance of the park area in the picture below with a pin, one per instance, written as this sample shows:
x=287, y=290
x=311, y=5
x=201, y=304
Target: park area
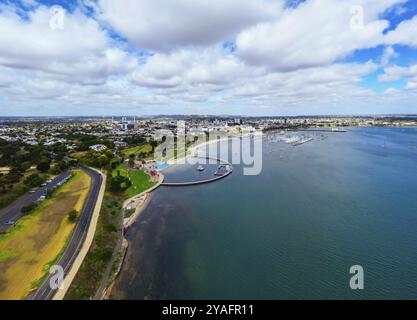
x=139, y=150
x=92, y=271
x=37, y=240
x=139, y=179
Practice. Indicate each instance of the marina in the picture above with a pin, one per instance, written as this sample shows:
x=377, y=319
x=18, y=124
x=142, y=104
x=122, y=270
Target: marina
x=290, y=138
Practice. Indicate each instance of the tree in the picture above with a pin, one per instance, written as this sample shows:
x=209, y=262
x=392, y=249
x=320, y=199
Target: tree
x=55, y=170
x=44, y=165
x=153, y=144
x=114, y=164
x=29, y=208
x=96, y=159
x=63, y=165
x=119, y=183
x=73, y=216
x=35, y=154
x=58, y=168
x=73, y=163
x=17, y=170
x=134, y=140
x=110, y=228
x=143, y=154
x=103, y=160
x=26, y=165
x=34, y=180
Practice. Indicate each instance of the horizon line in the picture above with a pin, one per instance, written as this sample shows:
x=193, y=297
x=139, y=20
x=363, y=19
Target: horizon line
x=215, y=115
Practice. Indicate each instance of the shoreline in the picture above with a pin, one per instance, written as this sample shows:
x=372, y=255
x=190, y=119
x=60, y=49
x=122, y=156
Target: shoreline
x=133, y=286
x=127, y=223
x=205, y=144
x=139, y=207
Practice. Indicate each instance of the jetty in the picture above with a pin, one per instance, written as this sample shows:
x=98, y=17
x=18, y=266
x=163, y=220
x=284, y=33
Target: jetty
x=222, y=162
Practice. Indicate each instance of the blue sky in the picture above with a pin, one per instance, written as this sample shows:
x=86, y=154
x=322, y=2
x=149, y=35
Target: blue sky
x=270, y=57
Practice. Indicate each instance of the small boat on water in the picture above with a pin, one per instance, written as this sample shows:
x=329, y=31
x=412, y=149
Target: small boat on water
x=337, y=130
x=302, y=141
x=200, y=168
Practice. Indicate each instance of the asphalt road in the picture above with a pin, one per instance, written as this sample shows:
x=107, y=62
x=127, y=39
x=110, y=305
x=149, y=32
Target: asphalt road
x=13, y=211
x=44, y=292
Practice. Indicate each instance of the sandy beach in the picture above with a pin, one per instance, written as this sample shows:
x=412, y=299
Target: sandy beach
x=205, y=144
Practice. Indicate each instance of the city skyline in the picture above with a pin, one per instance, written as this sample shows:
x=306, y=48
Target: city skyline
x=252, y=57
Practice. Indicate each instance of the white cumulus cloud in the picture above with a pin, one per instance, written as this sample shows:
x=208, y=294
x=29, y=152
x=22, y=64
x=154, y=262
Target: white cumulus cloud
x=161, y=25
x=317, y=32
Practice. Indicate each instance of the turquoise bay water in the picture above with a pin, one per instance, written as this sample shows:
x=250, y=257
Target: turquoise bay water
x=290, y=233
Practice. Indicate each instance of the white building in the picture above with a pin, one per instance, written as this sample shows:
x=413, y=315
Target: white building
x=98, y=147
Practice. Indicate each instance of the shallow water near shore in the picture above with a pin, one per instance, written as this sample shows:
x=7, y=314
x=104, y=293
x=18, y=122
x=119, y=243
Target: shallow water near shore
x=292, y=232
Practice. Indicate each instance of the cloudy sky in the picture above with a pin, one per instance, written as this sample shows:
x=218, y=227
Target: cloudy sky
x=249, y=57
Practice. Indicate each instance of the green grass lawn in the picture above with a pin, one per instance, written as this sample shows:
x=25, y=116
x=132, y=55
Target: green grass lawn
x=140, y=180
x=138, y=149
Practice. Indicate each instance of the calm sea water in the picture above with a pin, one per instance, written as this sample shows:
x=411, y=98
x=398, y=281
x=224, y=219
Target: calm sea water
x=291, y=232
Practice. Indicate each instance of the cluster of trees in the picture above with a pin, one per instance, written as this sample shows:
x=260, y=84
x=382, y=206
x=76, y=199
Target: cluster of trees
x=134, y=140
x=107, y=160
x=114, y=163
x=131, y=160
x=44, y=164
x=34, y=180
x=97, y=159
x=9, y=153
x=7, y=182
x=18, y=153
x=144, y=154
x=85, y=141
x=119, y=183
x=13, y=176
x=20, y=158
x=155, y=143
x=59, y=167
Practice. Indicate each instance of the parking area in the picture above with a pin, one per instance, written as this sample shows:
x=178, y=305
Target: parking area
x=12, y=213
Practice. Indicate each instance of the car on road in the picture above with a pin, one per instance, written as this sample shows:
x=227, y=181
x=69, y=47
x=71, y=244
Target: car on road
x=32, y=191
x=10, y=223
x=43, y=184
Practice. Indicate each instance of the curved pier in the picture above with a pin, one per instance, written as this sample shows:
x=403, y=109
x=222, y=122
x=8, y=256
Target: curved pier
x=193, y=183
